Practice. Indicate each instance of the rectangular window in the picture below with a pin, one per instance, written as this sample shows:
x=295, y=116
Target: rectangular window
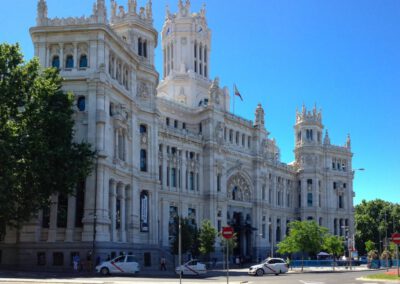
x=58, y=259
x=309, y=199
x=183, y=125
x=186, y=180
x=147, y=259
x=173, y=177
x=218, y=182
x=263, y=231
x=160, y=173
x=219, y=226
x=191, y=180
x=167, y=176
x=41, y=258
x=200, y=128
x=334, y=185
x=340, y=201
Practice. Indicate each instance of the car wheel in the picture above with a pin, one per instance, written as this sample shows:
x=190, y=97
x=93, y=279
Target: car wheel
x=260, y=272
x=104, y=271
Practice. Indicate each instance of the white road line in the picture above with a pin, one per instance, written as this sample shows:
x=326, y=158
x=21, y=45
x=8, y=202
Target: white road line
x=306, y=282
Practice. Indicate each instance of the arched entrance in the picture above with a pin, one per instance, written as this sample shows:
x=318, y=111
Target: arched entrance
x=239, y=215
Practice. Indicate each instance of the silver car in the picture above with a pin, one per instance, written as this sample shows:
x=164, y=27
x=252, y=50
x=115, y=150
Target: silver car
x=269, y=266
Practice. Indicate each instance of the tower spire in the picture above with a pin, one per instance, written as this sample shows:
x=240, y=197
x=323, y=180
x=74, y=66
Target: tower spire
x=41, y=13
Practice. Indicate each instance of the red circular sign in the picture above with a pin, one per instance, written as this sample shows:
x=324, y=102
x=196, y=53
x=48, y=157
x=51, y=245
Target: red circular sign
x=227, y=232
x=396, y=238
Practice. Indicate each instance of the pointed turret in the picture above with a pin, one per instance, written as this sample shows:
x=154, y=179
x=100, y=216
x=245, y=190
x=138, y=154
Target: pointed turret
x=132, y=5
x=327, y=140
x=41, y=19
x=100, y=12
x=149, y=11
x=348, y=142
x=259, y=117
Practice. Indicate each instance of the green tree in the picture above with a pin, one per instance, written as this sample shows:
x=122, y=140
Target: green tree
x=207, y=238
x=188, y=231
x=369, y=245
x=334, y=246
x=304, y=237
x=374, y=220
x=38, y=155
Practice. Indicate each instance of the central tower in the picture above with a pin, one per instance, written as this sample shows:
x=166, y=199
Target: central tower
x=186, y=43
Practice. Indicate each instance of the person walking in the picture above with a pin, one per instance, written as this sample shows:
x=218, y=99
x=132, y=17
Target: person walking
x=163, y=264
x=76, y=259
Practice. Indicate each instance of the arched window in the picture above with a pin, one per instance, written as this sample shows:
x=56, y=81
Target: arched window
x=140, y=47
x=55, y=62
x=143, y=160
x=81, y=103
x=69, y=61
x=143, y=128
x=234, y=193
x=83, y=61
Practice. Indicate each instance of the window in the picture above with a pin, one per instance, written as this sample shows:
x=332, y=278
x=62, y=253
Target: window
x=143, y=160
x=46, y=216
x=175, y=123
x=183, y=125
x=81, y=103
x=200, y=128
x=55, y=62
x=62, y=210
x=167, y=176
x=263, y=192
x=191, y=180
x=263, y=230
x=309, y=184
x=80, y=201
x=140, y=47
x=145, y=49
x=237, y=138
x=41, y=258
x=334, y=185
x=230, y=135
x=173, y=176
x=309, y=199
x=83, y=63
x=69, y=62
x=340, y=201
x=58, y=258
x=234, y=192
x=167, y=121
x=218, y=182
x=143, y=128
x=160, y=173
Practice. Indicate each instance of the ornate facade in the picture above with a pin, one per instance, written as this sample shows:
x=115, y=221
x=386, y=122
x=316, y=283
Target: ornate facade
x=171, y=147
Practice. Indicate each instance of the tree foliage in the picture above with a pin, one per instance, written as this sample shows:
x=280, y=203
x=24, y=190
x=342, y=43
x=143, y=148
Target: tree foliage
x=374, y=220
x=303, y=237
x=188, y=239
x=38, y=156
x=207, y=237
x=334, y=246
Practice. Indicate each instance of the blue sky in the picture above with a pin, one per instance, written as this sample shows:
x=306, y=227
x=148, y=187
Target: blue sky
x=342, y=55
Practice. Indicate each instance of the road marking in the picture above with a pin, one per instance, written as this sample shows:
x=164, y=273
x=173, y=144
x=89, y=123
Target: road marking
x=306, y=282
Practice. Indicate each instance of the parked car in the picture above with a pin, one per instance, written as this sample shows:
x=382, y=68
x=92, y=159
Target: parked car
x=192, y=267
x=120, y=264
x=269, y=266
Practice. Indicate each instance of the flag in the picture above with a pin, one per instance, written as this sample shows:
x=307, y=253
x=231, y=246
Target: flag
x=237, y=93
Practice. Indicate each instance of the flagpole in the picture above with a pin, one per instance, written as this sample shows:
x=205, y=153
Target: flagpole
x=234, y=95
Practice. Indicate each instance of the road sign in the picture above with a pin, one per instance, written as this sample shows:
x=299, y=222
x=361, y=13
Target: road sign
x=227, y=232
x=396, y=238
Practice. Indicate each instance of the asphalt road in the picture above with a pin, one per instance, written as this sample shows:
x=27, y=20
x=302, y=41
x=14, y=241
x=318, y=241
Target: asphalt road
x=236, y=277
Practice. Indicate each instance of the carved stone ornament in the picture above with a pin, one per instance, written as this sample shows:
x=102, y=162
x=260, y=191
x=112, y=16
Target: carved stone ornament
x=238, y=188
x=142, y=90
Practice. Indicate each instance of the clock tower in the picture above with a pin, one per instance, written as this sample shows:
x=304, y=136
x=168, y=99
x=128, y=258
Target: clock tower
x=186, y=41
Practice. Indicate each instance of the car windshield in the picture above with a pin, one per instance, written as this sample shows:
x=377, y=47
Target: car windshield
x=120, y=259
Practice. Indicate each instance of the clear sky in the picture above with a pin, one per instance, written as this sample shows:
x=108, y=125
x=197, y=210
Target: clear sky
x=342, y=55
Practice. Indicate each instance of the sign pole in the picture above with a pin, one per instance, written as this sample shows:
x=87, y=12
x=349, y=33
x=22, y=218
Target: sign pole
x=227, y=262
x=397, y=256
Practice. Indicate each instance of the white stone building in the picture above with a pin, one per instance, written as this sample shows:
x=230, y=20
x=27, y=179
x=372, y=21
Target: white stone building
x=171, y=147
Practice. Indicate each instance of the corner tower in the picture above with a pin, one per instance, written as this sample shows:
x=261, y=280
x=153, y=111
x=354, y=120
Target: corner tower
x=186, y=42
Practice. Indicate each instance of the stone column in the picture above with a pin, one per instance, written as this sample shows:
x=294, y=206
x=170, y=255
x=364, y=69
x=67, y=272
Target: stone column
x=61, y=56
x=53, y=219
x=69, y=232
x=113, y=209
x=76, y=59
x=122, y=195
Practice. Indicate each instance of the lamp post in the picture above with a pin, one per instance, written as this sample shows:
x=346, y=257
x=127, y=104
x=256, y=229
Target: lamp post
x=179, y=220
x=272, y=238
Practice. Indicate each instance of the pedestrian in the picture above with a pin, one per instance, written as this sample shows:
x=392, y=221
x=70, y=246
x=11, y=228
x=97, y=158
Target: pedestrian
x=163, y=264
x=288, y=262
x=76, y=259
